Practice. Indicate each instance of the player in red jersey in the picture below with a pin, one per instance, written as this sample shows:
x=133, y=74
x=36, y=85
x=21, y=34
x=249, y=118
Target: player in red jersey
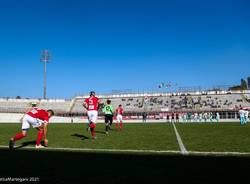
x=37, y=118
x=92, y=106
x=119, y=112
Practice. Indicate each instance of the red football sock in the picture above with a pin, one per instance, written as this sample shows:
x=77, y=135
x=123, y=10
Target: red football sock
x=39, y=137
x=121, y=125
x=93, y=132
x=18, y=136
x=116, y=125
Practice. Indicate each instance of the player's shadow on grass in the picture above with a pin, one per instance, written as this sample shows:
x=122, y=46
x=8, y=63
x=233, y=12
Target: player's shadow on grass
x=28, y=143
x=82, y=137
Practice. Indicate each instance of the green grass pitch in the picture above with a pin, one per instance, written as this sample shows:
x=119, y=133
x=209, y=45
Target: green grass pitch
x=226, y=137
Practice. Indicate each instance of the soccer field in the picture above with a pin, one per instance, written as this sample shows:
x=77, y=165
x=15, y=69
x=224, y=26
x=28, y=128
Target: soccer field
x=159, y=138
x=141, y=153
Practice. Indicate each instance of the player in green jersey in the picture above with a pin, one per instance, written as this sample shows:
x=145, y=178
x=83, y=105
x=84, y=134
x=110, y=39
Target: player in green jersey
x=108, y=110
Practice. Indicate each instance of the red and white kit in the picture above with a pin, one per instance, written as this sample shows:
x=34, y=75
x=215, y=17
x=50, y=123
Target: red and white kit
x=92, y=103
x=119, y=112
x=35, y=118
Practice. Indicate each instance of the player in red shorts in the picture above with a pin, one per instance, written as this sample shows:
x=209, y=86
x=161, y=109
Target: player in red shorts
x=92, y=106
x=37, y=118
x=119, y=112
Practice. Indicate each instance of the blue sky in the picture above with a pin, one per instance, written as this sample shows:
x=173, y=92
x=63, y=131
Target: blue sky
x=114, y=45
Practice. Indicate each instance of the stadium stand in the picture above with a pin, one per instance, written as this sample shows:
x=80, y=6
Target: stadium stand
x=199, y=101
x=15, y=105
x=22, y=105
x=59, y=106
x=153, y=103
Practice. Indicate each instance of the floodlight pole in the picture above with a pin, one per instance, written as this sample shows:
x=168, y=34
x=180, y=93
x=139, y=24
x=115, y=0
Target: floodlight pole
x=45, y=58
x=45, y=87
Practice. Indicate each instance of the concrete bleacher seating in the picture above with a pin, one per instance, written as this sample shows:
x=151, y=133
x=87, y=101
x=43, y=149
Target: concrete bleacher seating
x=15, y=105
x=22, y=105
x=59, y=106
x=204, y=101
x=200, y=101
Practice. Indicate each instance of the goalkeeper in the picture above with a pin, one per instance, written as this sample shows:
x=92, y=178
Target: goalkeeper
x=108, y=110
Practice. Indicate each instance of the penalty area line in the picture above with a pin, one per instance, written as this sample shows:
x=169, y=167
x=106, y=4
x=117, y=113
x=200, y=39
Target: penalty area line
x=181, y=145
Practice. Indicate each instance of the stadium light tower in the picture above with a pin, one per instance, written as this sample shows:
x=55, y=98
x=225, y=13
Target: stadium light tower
x=45, y=58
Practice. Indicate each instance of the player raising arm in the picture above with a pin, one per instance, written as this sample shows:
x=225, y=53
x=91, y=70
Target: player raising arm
x=92, y=106
x=37, y=118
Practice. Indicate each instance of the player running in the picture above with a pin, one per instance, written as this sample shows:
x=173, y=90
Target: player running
x=92, y=106
x=109, y=113
x=37, y=118
x=119, y=119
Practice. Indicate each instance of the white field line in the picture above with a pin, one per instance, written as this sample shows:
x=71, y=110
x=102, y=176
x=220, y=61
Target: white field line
x=181, y=145
x=195, y=153
x=214, y=153
x=98, y=150
x=198, y=153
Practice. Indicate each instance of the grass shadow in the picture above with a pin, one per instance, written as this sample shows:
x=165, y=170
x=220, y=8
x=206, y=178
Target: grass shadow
x=82, y=137
x=28, y=143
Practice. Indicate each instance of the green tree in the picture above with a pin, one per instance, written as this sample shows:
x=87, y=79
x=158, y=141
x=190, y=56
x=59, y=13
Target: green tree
x=248, y=82
x=243, y=84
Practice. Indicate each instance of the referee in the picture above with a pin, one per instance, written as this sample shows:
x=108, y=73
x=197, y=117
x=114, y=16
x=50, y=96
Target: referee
x=109, y=113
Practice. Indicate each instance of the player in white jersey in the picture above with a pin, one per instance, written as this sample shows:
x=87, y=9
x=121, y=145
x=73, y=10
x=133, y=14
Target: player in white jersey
x=200, y=117
x=217, y=117
x=242, y=116
x=184, y=117
x=246, y=116
x=210, y=114
x=205, y=117
x=196, y=117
